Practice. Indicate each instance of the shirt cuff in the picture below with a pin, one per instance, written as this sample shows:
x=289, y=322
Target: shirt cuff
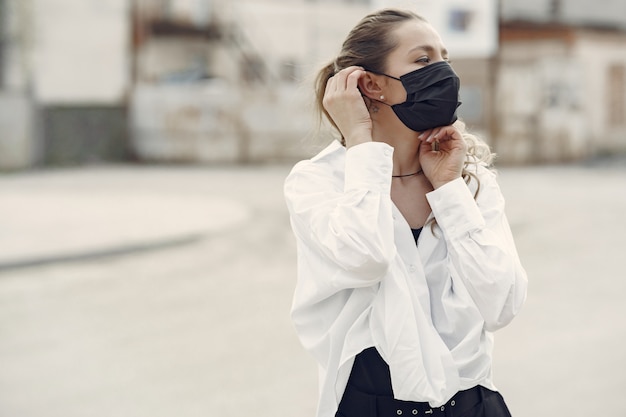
x=369, y=166
x=455, y=209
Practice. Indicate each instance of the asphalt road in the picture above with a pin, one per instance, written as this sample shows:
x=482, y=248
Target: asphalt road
x=165, y=291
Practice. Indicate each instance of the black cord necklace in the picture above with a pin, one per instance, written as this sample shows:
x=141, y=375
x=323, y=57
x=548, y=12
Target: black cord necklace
x=407, y=175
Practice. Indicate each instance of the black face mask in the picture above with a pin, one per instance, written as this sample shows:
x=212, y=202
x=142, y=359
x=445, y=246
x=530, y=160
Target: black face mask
x=432, y=97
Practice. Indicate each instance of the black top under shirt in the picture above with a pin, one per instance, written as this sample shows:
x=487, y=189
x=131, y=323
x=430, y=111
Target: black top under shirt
x=370, y=373
x=416, y=233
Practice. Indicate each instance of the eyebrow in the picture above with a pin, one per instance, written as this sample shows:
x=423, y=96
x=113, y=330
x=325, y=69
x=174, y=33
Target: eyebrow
x=427, y=48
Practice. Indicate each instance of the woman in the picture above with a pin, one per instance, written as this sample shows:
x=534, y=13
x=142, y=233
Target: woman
x=406, y=263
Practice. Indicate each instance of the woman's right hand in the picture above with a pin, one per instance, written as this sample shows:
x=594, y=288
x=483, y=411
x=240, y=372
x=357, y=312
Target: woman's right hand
x=344, y=103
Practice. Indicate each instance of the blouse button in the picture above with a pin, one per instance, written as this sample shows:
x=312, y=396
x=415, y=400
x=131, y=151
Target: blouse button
x=412, y=268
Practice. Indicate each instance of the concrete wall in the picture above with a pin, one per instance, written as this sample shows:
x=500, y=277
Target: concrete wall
x=606, y=50
x=18, y=148
x=185, y=123
x=539, y=111
x=81, y=51
x=214, y=122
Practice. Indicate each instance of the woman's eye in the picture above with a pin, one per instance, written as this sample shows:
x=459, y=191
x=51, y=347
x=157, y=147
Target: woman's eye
x=424, y=60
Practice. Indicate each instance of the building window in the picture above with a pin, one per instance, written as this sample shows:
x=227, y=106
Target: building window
x=460, y=20
x=616, y=95
x=252, y=69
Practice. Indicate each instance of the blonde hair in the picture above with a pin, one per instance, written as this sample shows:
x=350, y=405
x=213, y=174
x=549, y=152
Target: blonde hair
x=367, y=45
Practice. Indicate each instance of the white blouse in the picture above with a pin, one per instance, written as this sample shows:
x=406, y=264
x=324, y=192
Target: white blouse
x=429, y=309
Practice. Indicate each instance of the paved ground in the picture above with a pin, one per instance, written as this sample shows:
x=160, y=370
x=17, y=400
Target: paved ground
x=156, y=291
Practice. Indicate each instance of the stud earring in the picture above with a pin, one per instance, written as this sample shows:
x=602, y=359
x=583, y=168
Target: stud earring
x=382, y=97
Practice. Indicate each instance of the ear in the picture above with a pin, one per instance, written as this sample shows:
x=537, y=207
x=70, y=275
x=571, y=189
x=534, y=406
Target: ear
x=370, y=85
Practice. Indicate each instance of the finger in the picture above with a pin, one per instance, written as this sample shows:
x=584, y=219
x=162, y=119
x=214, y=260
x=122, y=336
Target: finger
x=351, y=69
x=433, y=134
x=427, y=149
x=352, y=83
x=331, y=85
x=425, y=134
x=329, y=92
x=448, y=132
x=344, y=75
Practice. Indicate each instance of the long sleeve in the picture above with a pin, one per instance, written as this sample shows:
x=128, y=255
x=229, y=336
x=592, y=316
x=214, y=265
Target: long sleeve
x=346, y=222
x=481, y=250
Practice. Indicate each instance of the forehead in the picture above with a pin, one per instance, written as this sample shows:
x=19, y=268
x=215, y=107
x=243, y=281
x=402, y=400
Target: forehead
x=416, y=34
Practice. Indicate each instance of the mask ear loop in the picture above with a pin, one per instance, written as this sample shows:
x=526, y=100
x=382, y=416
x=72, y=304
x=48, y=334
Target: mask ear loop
x=382, y=73
x=386, y=75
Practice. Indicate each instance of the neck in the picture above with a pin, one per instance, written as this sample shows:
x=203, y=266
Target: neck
x=405, y=144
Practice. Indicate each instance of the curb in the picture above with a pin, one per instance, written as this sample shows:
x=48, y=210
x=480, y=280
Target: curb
x=106, y=252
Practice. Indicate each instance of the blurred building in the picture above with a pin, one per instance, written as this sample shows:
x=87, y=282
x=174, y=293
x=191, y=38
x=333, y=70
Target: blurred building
x=221, y=80
x=231, y=80
x=561, y=91
x=560, y=88
x=63, y=81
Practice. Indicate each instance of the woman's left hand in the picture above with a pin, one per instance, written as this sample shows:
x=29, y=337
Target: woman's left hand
x=442, y=154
